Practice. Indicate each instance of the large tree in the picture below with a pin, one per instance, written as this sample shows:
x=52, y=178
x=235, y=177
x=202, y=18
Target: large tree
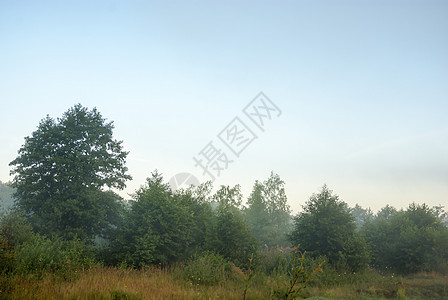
x=61, y=170
x=325, y=227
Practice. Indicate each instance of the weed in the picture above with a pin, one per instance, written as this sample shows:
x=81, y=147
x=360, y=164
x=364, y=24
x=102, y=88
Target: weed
x=298, y=277
x=248, y=276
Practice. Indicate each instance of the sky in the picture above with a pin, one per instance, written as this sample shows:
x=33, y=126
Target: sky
x=360, y=87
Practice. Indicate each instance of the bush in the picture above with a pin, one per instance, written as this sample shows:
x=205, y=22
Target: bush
x=40, y=254
x=273, y=261
x=210, y=268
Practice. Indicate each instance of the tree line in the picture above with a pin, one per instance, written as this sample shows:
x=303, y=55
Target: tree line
x=64, y=205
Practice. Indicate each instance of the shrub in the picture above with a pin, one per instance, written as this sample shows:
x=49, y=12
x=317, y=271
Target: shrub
x=273, y=261
x=39, y=254
x=210, y=268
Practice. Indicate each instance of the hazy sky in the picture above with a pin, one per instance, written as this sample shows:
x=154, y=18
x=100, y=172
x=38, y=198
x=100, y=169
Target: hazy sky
x=362, y=87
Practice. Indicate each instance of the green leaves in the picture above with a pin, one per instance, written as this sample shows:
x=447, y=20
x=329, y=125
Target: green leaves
x=407, y=241
x=62, y=168
x=268, y=212
x=326, y=228
x=157, y=228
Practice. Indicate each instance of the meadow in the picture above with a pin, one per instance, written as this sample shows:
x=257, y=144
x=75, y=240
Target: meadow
x=171, y=283
x=66, y=235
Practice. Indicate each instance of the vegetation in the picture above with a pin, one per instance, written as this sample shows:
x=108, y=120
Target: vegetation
x=61, y=170
x=326, y=228
x=268, y=212
x=67, y=236
x=410, y=241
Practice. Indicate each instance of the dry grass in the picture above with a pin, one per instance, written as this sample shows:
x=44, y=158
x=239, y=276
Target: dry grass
x=113, y=283
x=156, y=283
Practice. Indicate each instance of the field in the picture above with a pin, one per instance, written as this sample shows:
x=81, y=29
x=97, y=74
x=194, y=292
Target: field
x=158, y=283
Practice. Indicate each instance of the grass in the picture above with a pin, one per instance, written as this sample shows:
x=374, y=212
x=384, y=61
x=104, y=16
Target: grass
x=157, y=283
x=114, y=283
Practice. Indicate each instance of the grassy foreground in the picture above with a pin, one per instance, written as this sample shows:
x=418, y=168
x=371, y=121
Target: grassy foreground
x=157, y=283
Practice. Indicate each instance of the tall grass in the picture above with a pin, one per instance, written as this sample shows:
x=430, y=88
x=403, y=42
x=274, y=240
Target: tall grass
x=167, y=283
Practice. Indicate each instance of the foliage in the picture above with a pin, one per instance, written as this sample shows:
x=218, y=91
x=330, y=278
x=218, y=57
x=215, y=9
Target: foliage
x=268, y=212
x=272, y=261
x=40, y=254
x=208, y=268
x=14, y=231
x=441, y=214
x=202, y=219
x=61, y=170
x=249, y=275
x=228, y=197
x=407, y=241
x=361, y=215
x=157, y=228
x=325, y=227
x=6, y=197
x=298, y=277
x=233, y=238
x=32, y=253
x=7, y=249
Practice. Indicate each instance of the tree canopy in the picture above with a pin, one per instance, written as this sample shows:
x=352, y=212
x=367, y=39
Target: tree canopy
x=62, y=168
x=325, y=227
x=268, y=212
x=407, y=241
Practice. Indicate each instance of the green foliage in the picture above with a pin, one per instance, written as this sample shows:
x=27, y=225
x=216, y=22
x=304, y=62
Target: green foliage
x=361, y=215
x=233, y=239
x=6, y=197
x=268, y=212
x=325, y=227
x=7, y=250
x=228, y=196
x=162, y=227
x=298, y=277
x=407, y=241
x=257, y=215
x=249, y=275
x=14, y=231
x=209, y=268
x=441, y=214
x=33, y=253
x=40, y=254
x=61, y=170
x=157, y=227
x=273, y=261
x=202, y=220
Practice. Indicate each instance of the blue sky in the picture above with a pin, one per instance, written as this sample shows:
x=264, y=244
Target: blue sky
x=362, y=86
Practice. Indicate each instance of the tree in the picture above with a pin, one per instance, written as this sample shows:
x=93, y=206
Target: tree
x=229, y=197
x=268, y=212
x=202, y=225
x=325, y=227
x=157, y=228
x=257, y=216
x=233, y=238
x=61, y=170
x=361, y=215
x=407, y=241
x=6, y=197
x=441, y=214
